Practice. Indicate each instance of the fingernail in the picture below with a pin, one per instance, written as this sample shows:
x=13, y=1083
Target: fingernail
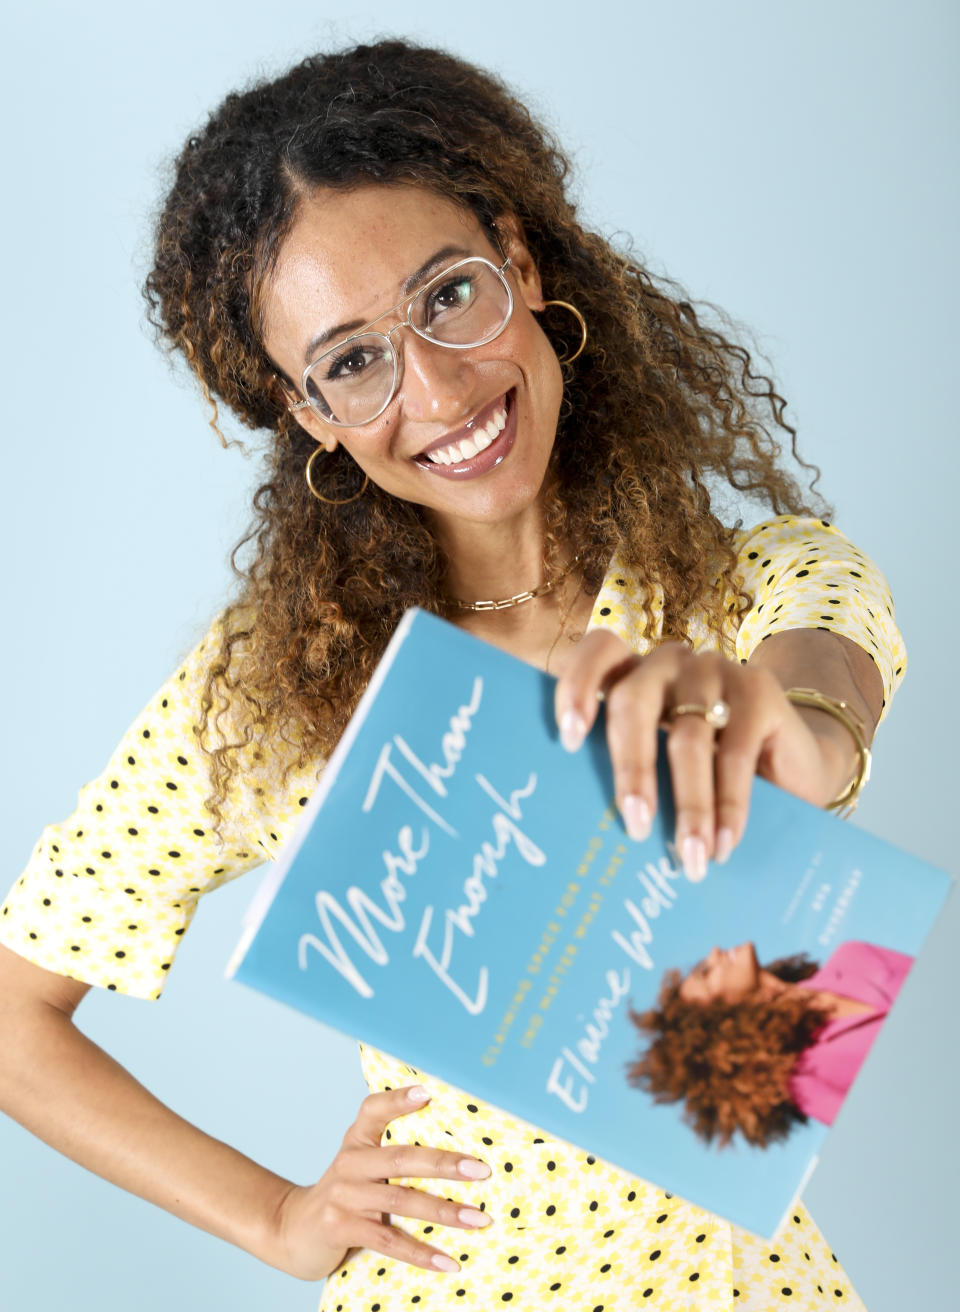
x=693, y=852
x=724, y=846
x=572, y=730
x=472, y=1216
x=636, y=816
x=473, y=1170
x=417, y=1093
x=444, y=1263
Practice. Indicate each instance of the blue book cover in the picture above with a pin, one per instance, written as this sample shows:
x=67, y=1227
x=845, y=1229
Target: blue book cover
x=455, y=853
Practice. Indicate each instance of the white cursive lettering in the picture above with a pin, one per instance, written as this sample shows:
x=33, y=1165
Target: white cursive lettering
x=363, y=907
x=588, y=1047
x=452, y=745
x=485, y=865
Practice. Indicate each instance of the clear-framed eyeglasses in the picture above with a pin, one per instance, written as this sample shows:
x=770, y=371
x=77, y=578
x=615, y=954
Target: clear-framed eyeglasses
x=467, y=305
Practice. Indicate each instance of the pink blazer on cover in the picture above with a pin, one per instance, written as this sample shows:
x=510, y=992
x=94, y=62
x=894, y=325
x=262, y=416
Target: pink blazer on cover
x=825, y=1070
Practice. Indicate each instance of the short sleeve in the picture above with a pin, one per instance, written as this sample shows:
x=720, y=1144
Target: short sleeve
x=804, y=574
x=108, y=893
x=629, y=607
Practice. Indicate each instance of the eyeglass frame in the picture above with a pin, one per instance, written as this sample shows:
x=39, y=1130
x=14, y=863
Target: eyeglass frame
x=406, y=322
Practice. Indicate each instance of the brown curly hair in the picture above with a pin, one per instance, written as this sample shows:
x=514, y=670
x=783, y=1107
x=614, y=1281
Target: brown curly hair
x=659, y=405
x=729, y=1063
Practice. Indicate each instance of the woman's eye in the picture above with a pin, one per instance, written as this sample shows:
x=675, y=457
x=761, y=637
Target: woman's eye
x=453, y=295
x=348, y=363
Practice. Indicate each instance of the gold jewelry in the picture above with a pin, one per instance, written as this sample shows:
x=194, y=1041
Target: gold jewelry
x=569, y=359
x=518, y=599
x=328, y=501
x=717, y=714
x=839, y=710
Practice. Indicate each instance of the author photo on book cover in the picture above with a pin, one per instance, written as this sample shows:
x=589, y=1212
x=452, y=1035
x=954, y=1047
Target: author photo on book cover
x=464, y=394
x=754, y=1050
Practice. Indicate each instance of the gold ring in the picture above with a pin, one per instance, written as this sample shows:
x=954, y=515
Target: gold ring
x=717, y=714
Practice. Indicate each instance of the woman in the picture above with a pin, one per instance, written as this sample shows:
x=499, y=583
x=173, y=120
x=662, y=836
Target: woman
x=478, y=407
x=759, y=1049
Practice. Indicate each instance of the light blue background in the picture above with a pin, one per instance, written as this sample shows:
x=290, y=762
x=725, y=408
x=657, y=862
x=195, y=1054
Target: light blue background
x=793, y=163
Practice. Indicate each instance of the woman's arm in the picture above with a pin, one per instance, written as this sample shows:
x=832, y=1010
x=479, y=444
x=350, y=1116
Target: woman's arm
x=63, y=1088
x=70, y=1093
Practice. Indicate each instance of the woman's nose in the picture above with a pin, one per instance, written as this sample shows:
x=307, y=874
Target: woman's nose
x=435, y=382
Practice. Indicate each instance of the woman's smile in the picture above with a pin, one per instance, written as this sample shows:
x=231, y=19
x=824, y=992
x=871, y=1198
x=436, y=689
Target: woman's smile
x=476, y=448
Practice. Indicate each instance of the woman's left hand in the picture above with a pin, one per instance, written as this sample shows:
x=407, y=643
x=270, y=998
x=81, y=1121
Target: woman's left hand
x=711, y=769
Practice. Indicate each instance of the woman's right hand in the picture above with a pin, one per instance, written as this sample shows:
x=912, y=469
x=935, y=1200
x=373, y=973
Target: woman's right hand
x=349, y=1207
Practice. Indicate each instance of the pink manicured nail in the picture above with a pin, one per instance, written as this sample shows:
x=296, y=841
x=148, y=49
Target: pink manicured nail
x=444, y=1263
x=693, y=853
x=418, y=1094
x=724, y=846
x=636, y=816
x=473, y=1170
x=473, y=1216
x=572, y=730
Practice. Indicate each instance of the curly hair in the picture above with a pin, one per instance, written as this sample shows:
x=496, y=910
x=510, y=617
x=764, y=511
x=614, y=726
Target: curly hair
x=658, y=405
x=729, y=1062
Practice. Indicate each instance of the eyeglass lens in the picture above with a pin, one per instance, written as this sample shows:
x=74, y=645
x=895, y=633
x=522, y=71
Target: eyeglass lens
x=467, y=305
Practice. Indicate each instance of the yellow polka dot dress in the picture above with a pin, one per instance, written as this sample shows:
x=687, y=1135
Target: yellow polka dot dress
x=109, y=893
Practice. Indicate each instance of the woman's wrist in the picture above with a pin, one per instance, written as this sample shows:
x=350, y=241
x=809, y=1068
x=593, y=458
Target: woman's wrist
x=845, y=681
x=839, y=753
x=280, y=1246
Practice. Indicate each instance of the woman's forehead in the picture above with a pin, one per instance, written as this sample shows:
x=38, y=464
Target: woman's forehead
x=348, y=254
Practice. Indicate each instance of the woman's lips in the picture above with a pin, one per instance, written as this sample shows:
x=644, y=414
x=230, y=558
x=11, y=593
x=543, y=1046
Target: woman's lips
x=477, y=448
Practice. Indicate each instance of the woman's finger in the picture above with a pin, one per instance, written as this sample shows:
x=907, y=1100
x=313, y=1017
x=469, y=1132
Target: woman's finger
x=635, y=690
x=400, y=1200
x=763, y=726
x=753, y=717
x=691, y=749
x=364, y=1232
x=366, y=1156
x=407, y=1161
x=378, y=1109
x=635, y=706
x=600, y=659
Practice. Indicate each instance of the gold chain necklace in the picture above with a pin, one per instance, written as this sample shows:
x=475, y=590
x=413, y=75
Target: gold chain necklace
x=506, y=602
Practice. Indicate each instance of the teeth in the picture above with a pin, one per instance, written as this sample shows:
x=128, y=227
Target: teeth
x=495, y=426
x=468, y=447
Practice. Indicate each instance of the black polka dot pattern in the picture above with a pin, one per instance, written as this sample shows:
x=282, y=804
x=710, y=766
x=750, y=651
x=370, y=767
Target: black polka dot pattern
x=142, y=839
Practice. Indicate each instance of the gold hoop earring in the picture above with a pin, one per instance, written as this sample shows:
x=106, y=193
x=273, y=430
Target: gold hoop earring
x=569, y=359
x=328, y=501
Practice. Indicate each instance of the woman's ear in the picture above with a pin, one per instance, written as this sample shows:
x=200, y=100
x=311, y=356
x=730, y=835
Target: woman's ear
x=285, y=395
x=510, y=233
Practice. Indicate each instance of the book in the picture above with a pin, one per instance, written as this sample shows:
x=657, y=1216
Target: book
x=454, y=853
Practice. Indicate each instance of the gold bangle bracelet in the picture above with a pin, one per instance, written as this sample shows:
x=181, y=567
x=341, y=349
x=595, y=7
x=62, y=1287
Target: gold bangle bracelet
x=847, y=799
